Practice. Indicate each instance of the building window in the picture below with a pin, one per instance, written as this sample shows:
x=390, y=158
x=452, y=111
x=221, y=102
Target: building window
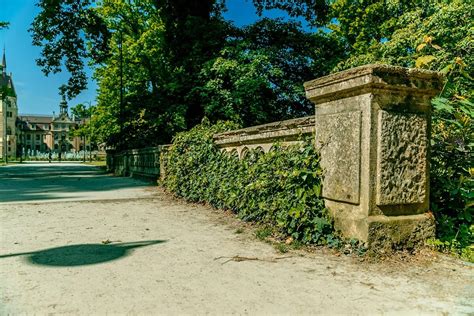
x=28, y=137
x=37, y=147
x=9, y=114
x=9, y=130
x=37, y=137
x=9, y=149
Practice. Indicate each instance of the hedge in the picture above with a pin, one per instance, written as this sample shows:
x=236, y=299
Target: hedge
x=280, y=188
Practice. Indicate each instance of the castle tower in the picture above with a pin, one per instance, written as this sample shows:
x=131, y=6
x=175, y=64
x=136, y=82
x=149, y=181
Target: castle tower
x=8, y=112
x=63, y=113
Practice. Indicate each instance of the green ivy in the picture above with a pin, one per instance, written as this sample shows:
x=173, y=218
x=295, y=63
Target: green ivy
x=281, y=188
x=452, y=175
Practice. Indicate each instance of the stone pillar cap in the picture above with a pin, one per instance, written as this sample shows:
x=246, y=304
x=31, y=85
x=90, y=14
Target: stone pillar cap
x=373, y=78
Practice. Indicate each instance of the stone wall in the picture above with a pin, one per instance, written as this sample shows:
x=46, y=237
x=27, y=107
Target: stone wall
x=143, y=162
x=149, y=162
x=263, y=137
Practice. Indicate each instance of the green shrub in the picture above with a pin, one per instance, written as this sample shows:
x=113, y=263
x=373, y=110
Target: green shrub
x=452, y=175
x=280, y=188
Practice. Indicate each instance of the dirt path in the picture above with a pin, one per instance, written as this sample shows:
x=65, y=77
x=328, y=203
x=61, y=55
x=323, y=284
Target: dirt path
x=155, y=255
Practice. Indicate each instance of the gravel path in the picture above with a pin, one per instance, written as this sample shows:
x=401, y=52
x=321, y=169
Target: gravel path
x=75, y=241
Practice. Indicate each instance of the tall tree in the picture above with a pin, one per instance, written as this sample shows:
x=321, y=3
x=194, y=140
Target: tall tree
x=64, y=29
x=259, y=74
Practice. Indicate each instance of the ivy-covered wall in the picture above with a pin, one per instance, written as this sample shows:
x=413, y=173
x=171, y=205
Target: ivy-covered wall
x=281, y=187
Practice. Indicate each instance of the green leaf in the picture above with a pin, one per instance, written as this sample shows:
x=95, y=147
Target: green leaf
x=420, y=47
x=424, y=60
x=442, y=104
x=446, y=69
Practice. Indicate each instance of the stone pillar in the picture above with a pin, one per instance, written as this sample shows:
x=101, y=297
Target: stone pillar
x=110, y=160
x=373, y=131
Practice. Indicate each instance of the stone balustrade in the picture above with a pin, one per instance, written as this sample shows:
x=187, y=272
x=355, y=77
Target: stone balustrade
x=263, y=137
x=143, y=162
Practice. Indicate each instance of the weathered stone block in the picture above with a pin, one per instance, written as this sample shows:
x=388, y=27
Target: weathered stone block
x=339, y=144
x=386, y=233
x=402, y=158
x=372, y=128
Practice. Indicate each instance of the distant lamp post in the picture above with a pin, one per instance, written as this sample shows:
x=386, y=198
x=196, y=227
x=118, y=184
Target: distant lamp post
x=5, y=124
x=6, y=146
x=20, y=138
x=83, y=148
x=121, y=120
x=25, y=128
x=89, y=131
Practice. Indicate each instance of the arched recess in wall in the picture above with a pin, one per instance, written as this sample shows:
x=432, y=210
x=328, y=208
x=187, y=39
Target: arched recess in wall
x=259, y=151
x=234, y=153
x=278, y=147
x=256, y=153
x=273, y=148
x=244, y=153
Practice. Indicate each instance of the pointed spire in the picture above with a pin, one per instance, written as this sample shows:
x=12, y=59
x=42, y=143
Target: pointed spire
x=4, y=62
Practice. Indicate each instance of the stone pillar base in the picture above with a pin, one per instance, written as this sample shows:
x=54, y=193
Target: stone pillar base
x=387, y=233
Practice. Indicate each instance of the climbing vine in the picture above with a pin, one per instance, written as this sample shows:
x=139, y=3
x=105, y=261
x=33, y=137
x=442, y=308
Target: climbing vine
x=281, y=187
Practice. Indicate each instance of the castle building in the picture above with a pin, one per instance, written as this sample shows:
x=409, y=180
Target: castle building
x=29, y=135
x=8, y=112
x=45, y=133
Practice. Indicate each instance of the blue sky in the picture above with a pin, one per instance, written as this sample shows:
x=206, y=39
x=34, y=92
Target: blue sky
x=38, y=94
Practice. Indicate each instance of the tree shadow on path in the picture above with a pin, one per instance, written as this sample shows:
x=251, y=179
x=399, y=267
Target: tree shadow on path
x=82, y=254
x=34, y=182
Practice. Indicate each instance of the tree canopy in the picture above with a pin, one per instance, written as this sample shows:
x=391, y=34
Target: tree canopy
x=162, y=65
